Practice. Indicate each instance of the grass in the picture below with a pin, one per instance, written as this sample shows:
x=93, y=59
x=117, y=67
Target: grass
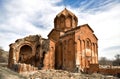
x=6, y=73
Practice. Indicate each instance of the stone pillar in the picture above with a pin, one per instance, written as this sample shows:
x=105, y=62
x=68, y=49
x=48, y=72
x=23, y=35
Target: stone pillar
x=61, y=51
x=63, y=57
x=64, y=54
x=53, y=55
x=96, y=54
x=12, y=57
x=77, y=56
x=91, y=53
x=47, y=60
x=80, y=56
x=52, y=58
x=48, y=56
x=85, y=53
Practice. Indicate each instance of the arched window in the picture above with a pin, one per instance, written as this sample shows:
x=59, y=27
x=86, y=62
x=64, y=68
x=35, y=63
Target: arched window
x=62, y=21
x=65, y=42
x=88, y=43
x=68, y=21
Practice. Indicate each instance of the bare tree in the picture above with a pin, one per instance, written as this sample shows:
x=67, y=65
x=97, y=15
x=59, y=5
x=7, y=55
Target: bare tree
x=117, y=56
x=116, y=62
x=102, y=61
x=105, y=61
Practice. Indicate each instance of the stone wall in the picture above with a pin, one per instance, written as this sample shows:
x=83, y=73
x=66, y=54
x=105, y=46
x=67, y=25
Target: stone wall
x=110, y=71
x=29, y=52
x=22, y=67
x=93, y=68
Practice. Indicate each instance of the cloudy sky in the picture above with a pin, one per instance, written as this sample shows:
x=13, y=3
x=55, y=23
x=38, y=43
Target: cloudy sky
x=20, y=18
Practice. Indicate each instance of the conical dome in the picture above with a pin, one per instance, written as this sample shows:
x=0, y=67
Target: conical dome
x=65, y=20
x=66, y=13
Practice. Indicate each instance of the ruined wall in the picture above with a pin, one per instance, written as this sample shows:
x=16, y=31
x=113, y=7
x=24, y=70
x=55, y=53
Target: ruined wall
x=49, y=62
x=110, y=71
x=93, y=68
x=30, y=50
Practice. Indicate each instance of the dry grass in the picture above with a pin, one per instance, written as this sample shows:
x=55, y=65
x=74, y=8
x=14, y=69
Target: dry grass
x=6, y=73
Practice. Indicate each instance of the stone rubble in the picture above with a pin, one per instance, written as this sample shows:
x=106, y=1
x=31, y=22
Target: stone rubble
x=61, y=74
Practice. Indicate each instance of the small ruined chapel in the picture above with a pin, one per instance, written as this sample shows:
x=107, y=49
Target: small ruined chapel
x=68, y=47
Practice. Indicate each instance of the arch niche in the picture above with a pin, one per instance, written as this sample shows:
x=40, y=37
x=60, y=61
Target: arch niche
x=68, y=21
x=88, y=52
x=25, y=55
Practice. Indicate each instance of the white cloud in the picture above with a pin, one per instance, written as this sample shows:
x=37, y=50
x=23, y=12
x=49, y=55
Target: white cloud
x=20, y=16
x=106, y=26
x=105, y=23
x=24, y=17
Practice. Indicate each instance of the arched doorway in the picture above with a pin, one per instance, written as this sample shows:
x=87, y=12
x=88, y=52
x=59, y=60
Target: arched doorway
x=25, y=55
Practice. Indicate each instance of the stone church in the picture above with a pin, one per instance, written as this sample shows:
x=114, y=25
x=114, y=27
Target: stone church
x=68, y=47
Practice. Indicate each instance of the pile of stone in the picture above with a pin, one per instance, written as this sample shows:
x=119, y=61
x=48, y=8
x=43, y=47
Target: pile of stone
x=61, y=74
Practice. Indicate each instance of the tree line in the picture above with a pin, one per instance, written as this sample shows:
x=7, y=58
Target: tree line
x=114, y=62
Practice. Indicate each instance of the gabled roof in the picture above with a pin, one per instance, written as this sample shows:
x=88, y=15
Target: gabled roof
x=90, y=29
x=80, y=27
x=74, y=29
x=51, y=32
x=87, y=26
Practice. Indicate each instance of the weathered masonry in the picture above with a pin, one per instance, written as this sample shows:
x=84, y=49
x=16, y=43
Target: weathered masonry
x=68, y=47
